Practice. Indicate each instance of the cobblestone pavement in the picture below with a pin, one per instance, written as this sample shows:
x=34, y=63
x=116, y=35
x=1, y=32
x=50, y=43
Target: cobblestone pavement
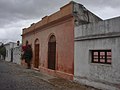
x=16, y=77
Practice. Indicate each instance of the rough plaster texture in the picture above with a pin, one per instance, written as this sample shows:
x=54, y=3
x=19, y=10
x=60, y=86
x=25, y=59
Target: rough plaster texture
x=17, y=55
x=97, y=36
x=83, y=15
x=110, y=26
x=63, y=32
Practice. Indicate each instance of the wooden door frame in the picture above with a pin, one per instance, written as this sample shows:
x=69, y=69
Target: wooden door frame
x=36, y=43
x=52, y=40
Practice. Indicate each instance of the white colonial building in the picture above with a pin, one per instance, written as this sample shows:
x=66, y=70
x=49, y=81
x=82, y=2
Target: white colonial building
x=97, y=54
x=17, y=55
x=9, y=51
x=13, y=52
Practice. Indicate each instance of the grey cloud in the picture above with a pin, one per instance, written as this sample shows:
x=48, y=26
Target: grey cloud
x=31, y=9
x=27, y=9
x=101, y=3
x=15, y=10
x=17, y=14
x=13, y=31
x=102, y=8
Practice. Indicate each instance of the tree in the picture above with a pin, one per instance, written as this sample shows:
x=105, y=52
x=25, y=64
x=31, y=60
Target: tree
x=3, y=51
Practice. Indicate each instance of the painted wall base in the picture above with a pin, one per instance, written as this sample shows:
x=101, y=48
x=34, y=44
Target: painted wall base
x=95, y=84
x=56, y=73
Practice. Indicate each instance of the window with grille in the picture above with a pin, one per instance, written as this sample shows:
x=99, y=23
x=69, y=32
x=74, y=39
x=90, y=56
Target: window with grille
x=101, y=56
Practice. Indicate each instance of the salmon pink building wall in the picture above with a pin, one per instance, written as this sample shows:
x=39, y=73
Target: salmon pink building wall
x=61, y=25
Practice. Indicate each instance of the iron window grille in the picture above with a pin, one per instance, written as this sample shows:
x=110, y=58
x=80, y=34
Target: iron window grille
x=102, y=56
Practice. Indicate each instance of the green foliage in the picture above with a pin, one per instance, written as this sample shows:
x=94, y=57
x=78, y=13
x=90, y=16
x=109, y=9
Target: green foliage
x=3, y=50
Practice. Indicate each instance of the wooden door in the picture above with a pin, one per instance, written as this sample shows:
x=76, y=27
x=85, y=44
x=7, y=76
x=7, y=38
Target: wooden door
x=36, y=63
x=51, y=55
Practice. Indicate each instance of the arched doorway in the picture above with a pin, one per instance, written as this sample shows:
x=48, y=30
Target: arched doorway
x=52, y=52
x=36, y=51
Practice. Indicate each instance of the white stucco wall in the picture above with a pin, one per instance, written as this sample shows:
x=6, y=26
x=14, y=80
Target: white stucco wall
x=8, y=52
x=83, y=15
x=17, y=55
x=98, y=36
x=1, y=57
x=0, y=43
x=8, y=47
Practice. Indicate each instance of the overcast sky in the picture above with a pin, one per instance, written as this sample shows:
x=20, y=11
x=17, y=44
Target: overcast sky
x=18, y=14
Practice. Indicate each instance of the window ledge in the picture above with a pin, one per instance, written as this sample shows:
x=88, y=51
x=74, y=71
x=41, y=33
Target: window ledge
x=100, y=64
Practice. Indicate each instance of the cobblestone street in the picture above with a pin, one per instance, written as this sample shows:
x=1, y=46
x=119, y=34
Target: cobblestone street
x=16, y=77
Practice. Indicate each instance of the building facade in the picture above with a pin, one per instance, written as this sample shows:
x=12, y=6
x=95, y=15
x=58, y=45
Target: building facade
x=52, y=41
x=96, y=54
x=74, y=43
x=17, y=55
x=9, y=51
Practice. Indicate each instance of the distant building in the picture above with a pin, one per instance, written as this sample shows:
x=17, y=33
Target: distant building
x=17, y=54
x=9, y=51
x=13, y=52
x=0, y=43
